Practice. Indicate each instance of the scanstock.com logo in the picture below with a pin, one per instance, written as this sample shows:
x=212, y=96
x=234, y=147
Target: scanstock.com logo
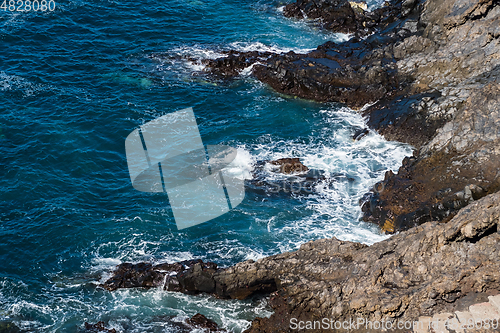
x=168, y=155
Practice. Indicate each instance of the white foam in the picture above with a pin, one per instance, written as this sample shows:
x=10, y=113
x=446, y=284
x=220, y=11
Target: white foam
x=260, y=47
x=335, y=208
x=241, y=167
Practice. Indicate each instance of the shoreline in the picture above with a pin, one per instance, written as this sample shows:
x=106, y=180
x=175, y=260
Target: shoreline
x=431, y=72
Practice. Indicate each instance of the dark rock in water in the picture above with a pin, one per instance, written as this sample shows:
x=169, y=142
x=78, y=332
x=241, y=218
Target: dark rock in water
x=432, y=268
x=99, y=327
x=459, y=165
x=235, y=61
x=134, y=275
x=360, y=133
x=8, y=327
x=198, y=278
x=295, y=178
x=200, y=321
x=347, y=17
x=290, y=165
x=337, y=15
x=356, y=72
x=327, y=76
x=173, y=277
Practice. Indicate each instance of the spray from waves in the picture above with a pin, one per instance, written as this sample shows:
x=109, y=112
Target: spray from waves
x=126, y=310
x=334, y=206
x=332, y=211
x=17, y=83
x=191, y=58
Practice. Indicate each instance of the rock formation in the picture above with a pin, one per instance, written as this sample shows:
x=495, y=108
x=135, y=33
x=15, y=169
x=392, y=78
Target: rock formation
x=431, y=72
x=435, y=267
x=458, y=159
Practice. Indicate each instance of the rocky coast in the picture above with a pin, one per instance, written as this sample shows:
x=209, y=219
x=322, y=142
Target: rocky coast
x=424, y=73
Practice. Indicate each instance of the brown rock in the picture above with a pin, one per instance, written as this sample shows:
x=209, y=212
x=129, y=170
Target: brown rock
x=200, y=321
x=290, y=165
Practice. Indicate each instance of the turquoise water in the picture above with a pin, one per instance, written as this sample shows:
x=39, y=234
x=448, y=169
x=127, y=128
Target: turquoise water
x=75, y=82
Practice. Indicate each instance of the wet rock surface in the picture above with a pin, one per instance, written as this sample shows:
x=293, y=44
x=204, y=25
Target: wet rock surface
x=287, y=176
x=427, y=71
x=201, y=322
x=173, y=277
x=8, y=327
x=98, y=327
x=344, y=16
x=432, y=268
x=290, y=165
x=234, y=63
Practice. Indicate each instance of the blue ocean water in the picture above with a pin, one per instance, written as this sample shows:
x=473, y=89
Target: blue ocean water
x=76, y=81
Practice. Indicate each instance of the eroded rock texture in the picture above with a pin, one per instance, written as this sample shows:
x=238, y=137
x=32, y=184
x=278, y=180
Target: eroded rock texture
x=459, y=153
x=432, y=268
x=344, y=16
x=433, y=78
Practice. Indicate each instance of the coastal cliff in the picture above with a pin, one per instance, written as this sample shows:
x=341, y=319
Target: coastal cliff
x=432, y=268
x=430, y=73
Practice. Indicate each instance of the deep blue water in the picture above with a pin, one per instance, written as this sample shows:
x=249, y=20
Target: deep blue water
x=76, y=81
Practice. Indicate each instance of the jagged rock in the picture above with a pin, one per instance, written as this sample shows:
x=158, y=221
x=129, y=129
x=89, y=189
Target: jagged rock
x=130, y=275
x=432, y=268
x=330, y=73
x=198, y=278
x=233, y=63
x=185, y=276
x=337, y=15
x=98, y=327
x=8, y=327
x=295, y=178
x=360, y=133
x=344, y=16
x=200, y=321
x=428, y=269
x=459, y=165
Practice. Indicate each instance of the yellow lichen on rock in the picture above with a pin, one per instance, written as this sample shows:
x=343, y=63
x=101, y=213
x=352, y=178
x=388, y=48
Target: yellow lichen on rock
x=361, y=5
x=388, y=226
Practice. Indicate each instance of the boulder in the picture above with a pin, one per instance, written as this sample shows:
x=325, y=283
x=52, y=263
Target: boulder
x=98, y=327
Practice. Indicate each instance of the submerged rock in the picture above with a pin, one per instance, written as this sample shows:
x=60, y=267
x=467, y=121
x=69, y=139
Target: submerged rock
x=8, y=327
x=286, y=176
x=98, y=327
